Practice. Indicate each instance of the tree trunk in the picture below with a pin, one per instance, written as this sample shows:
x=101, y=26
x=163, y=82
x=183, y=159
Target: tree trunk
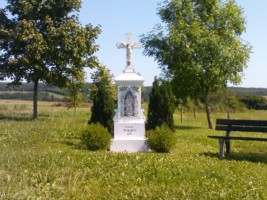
x=181, y=114
x=75, y=110
x=35, y=100
x=75, y=102
x=228, y=114
x=208, y=111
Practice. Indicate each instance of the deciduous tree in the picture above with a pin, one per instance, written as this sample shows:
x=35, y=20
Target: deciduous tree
x=200, y=46
x=41, y=39
x=74, y=92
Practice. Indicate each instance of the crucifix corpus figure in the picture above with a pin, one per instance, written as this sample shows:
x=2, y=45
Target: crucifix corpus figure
x=129, y=45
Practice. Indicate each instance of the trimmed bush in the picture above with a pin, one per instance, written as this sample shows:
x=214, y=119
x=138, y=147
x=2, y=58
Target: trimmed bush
x=161, y=105
x=96, y=137
x=161, y=139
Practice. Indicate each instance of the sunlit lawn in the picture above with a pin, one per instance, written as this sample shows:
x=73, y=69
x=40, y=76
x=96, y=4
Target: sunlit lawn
x=44, y=159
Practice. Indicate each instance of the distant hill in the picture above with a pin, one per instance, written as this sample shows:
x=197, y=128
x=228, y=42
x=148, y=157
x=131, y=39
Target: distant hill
x=25, y=92
x=248, y=91
x=29, y=87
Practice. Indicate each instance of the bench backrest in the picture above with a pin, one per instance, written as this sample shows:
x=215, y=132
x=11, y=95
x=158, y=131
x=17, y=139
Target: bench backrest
x=241, y=125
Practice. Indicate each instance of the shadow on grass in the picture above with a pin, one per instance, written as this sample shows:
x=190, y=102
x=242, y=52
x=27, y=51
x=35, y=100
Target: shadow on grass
x=241, y=156
x=20, y=117
x=78, y=145
x=15, y=118
x=180, y=127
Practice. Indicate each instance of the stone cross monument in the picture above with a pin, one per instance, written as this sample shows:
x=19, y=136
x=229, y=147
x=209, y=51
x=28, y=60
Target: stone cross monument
x=129, y=45
x=129, y=120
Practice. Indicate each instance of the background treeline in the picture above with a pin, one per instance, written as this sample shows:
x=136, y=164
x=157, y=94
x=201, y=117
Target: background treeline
x=42, y=88
x=248, y=91
x=43, y=96
x=229, y=100
x=233, y=98
x=25, y=92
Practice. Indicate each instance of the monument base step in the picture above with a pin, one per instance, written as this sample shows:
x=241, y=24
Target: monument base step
x=119, y=145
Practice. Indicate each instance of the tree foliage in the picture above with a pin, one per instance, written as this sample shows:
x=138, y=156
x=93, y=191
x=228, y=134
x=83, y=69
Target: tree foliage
x=254, y=102
x=225, y=100
x=103, y=95
x=161, y=105
x=74, y=92
x=40, y=40
x=200, y=46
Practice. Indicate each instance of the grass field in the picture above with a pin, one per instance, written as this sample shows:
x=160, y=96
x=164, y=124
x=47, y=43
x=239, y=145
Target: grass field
x=44, y=159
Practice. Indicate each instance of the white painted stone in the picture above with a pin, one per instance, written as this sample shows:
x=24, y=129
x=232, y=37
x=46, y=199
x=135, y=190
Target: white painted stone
x=127, y=145
x=130, y=130
x=129, y=120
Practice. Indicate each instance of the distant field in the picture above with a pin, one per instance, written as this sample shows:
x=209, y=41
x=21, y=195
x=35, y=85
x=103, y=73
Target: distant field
x=28, y=105
x=12, y=107
x=12, y=92
x=44, y=159
x=13, y=102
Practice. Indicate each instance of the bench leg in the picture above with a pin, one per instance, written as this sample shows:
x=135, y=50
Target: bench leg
x=228, y=146
x=221, y=151
x=227, y=143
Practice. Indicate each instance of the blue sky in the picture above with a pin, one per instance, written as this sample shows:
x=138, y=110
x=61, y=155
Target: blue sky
x=117, y=17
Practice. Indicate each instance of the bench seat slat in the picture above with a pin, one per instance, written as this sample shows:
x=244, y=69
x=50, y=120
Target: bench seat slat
x=237, y=138
x=242, y=122
x=241, y=128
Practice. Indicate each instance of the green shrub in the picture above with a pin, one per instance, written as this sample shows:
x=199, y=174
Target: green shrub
x=255, y=102
x=96, y=137
x=102, y=94
x=160, y=140
x=161, y=105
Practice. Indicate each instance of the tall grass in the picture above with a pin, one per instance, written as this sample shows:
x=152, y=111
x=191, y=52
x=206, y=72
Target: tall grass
x=44, y=159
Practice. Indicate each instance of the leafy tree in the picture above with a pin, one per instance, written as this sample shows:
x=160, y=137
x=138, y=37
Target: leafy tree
x=254, y=102
x=40, y=40
x=161, y=105
x=103, y=95
x=74, y=92
x=199, y=46
x=225, y=100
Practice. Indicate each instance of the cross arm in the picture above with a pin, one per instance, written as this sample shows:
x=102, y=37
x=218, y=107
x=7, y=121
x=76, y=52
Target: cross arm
x=121, y=45
x=137, y=45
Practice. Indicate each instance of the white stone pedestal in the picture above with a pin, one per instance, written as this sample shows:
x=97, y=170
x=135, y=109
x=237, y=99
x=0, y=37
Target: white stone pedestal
x=129, y=137
x=129, y=121
x=127, y=145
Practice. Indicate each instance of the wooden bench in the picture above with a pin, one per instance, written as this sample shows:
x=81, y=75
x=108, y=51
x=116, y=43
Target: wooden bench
x=230, y=125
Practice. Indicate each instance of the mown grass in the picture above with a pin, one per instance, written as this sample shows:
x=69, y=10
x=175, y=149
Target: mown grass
x=44, y=159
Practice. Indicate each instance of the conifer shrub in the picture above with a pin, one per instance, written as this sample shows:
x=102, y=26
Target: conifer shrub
x=103, y=95
x=161, y=105
x=96, y=137
x=161, y=139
